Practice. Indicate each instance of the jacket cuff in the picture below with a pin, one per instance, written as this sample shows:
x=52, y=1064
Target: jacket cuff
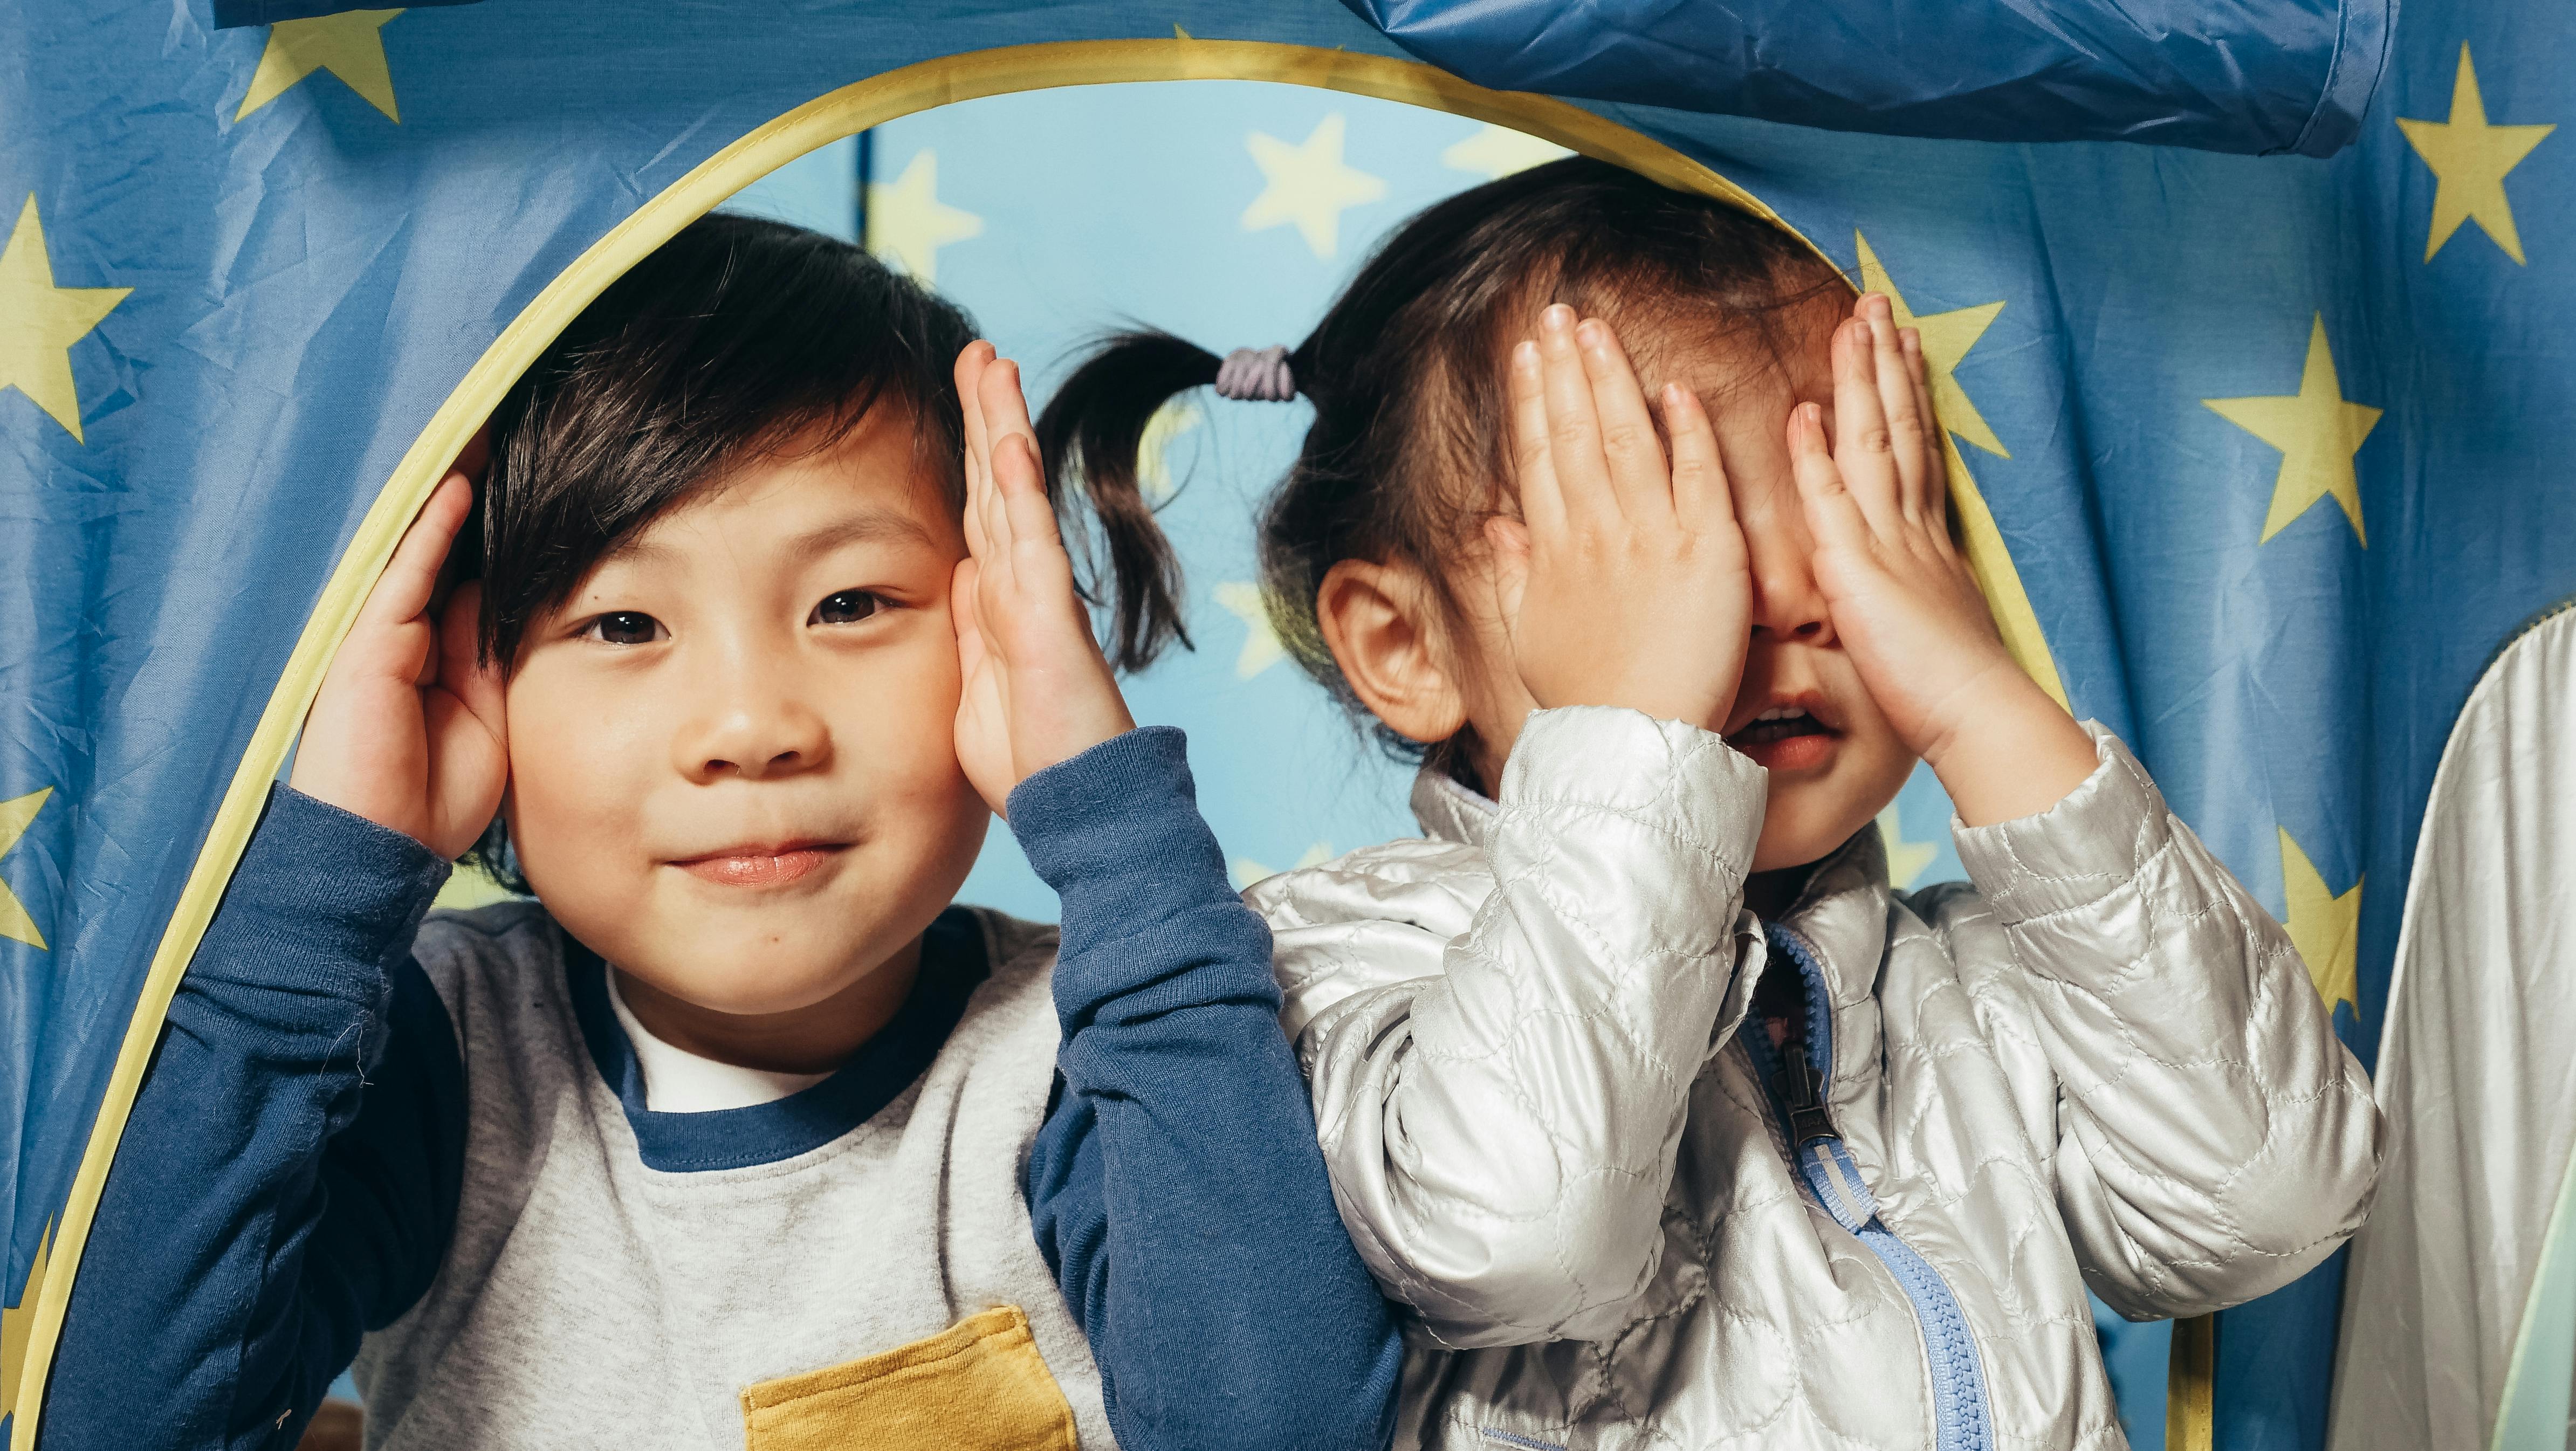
x=2075, y=853
x=321, y=885
x=1683, y=781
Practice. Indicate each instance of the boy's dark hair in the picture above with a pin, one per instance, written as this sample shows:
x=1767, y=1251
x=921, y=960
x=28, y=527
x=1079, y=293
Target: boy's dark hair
x=739, y=337
x=1409, y=448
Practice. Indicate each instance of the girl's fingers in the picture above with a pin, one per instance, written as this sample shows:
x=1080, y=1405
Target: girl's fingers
x=1863, y=452
x=1936, y=442
x=1021, y=489
x=1638, y=473
x=1008, y=436
x=966, y=618
x=1834, y=518
x=1906, y=425
x=1542, y=501
x=1573, y=430
x=1701, y=494
x=402, y=592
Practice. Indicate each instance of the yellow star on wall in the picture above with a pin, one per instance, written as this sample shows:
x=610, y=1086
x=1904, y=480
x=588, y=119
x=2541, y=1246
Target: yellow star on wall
x=1906, y=860
x=39, y=322
x=2469, y=160
x=908, y=223
x=2317, y=433
x=1308, y=185
x=1946, y=338
x=1261, y=647
x=1495, y=152
x=2326, y=928
x=1153, y=466
x=15, y=816
x=19, y=1320
x=348, y=45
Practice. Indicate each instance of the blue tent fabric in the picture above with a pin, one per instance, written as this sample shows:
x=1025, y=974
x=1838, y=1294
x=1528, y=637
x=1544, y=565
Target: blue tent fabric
x=2272, y=444
x=2295, y=76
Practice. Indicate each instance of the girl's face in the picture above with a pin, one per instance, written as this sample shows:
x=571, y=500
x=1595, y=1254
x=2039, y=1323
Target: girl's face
x=732, y=751
x=1836, y=764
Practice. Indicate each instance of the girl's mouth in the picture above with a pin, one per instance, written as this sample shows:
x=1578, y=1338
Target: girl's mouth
x=1785, y=738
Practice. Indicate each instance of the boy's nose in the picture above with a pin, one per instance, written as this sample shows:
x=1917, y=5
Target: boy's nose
x=754, y=738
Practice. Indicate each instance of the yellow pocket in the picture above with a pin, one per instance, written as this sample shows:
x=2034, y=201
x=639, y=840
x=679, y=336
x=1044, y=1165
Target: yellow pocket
x=979, y=1384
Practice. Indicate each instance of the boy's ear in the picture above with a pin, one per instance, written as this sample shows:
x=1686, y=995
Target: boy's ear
x=1382, y=624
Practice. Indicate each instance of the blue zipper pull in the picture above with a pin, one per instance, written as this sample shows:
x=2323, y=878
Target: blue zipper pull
x=1801, y=1090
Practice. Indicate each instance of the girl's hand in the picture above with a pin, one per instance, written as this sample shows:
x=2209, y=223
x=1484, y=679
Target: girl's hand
x=1037, y=690
x=1904, y=603
x=407, y=728
x=1624, y=581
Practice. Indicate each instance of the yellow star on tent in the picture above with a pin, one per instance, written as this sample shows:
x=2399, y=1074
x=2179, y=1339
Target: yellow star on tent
x=15, y=816
x=1495, y=152
x=1247, y=871
x=39, y=322
x=2326, y=928
x=1906, y=860
x=908, y=223
x=1261, y=647
x=1308, y=185
x=2469, y=160
x=18, y=1322
x=1153, y=468
x=347, y=45
x=2317, y=433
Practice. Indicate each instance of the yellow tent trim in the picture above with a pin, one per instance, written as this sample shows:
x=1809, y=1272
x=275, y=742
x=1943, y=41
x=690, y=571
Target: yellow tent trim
x=827, y=118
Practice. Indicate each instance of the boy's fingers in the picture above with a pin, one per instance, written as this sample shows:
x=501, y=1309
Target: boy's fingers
x=1542, y=502
x=1573, y=432
x=969, y=377
x=461, y=670
x=1701, y=493
x=1510, y=541
x=1833, y=516
x=402, y=592
x=1637, y=470
x=1906, y=427
x=1863, y=453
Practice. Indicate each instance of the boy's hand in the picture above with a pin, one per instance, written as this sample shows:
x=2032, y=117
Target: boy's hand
x=1037, y=690
x=1904, y=604
x=407, y=730
x=1624, y=581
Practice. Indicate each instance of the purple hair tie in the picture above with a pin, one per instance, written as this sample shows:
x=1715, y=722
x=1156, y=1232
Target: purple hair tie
x=1257, y=375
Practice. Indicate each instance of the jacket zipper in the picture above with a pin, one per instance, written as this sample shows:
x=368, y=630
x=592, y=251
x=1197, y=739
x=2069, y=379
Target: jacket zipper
x=1797, y=1084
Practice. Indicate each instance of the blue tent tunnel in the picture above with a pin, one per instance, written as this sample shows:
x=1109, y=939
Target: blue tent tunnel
x=2112, y=487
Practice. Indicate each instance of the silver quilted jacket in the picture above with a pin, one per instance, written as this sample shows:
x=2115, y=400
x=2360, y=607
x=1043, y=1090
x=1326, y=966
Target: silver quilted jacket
x=2100, y=1063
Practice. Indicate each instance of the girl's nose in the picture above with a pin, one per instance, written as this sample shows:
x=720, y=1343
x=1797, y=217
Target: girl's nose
x=1787, y=605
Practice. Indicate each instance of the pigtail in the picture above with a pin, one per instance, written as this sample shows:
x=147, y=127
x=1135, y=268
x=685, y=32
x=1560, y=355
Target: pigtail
x=1089, y=438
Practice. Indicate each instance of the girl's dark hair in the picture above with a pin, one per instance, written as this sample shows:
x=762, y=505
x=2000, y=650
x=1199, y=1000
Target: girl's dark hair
x=1408, y=452
x=738, y=338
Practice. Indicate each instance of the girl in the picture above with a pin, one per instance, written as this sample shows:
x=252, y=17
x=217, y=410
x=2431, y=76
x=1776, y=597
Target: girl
x=740, y=1134
x=1669, y=1122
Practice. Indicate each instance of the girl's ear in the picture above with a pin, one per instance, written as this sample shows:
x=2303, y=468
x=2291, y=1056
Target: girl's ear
x=1383, y=625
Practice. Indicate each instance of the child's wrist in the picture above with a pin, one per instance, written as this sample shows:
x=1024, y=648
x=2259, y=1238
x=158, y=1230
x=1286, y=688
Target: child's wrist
x=2021, y=755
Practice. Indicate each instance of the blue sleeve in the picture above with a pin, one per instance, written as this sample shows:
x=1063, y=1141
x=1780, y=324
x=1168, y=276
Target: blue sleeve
x=1176, y=1186
x=263, y=1212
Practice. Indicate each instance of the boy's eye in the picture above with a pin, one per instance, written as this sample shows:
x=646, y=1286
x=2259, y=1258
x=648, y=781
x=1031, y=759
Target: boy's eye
x=628, y=627
x=847, y=607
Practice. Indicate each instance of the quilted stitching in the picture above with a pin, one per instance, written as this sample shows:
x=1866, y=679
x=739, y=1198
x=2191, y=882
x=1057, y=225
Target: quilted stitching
x=2100, y=1064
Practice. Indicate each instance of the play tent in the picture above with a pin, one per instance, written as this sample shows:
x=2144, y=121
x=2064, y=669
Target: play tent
x=2255, y=454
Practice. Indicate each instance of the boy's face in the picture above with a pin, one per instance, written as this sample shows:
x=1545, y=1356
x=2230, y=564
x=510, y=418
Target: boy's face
x=1835, y=763
x=732, y=751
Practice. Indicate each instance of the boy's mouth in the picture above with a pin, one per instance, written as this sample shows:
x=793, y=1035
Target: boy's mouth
x=761, y=866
